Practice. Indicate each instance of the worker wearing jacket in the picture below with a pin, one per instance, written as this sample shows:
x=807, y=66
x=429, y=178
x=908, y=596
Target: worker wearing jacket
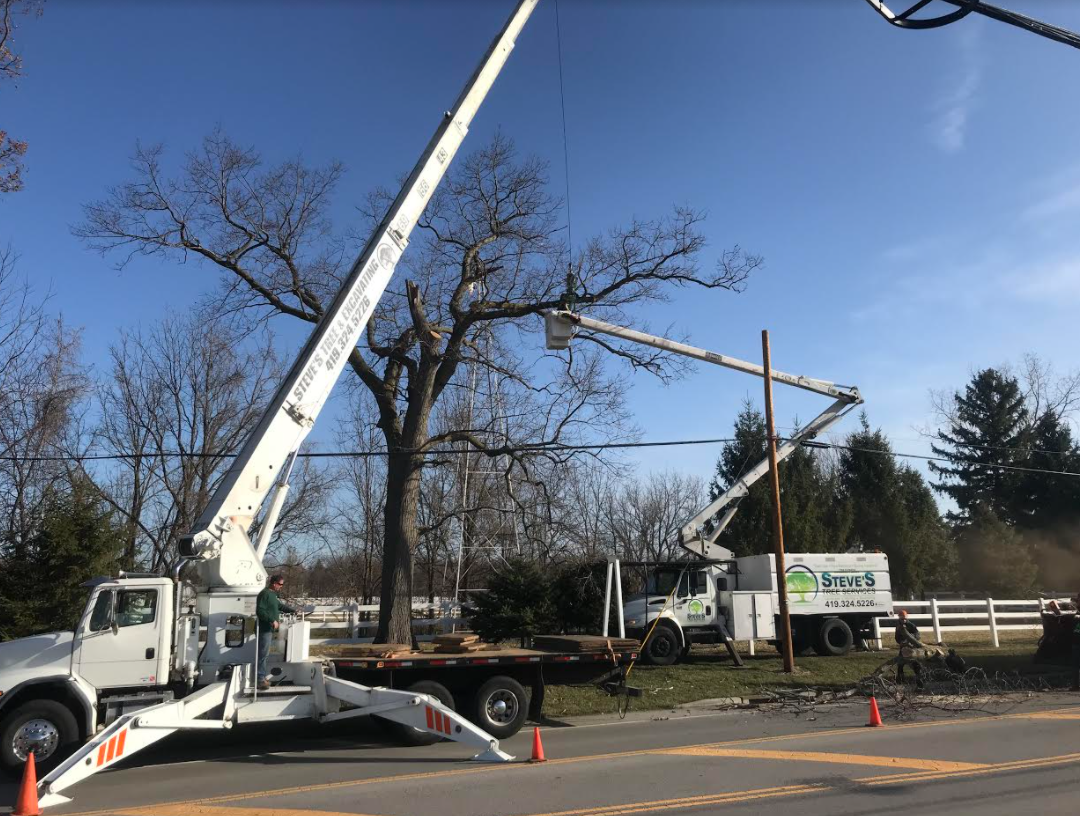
x=907, y=638
x=268, y=609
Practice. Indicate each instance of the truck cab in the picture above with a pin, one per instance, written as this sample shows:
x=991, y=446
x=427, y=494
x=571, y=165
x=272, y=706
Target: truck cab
x=51, y=684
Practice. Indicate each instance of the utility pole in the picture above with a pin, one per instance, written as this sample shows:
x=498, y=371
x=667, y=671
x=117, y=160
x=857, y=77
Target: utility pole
x=778, y=519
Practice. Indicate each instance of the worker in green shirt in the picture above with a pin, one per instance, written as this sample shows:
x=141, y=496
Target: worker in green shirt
x=268, y=609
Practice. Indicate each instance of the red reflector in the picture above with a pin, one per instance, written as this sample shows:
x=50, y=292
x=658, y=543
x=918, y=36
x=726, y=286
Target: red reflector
x=120, y=738
x=112, y=750
x=446, y=724
x=101, y=752
x=438, y=662
x=430, y=722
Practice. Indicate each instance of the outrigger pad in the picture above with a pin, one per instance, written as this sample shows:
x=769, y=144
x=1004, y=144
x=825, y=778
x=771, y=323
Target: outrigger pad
x=492, y=755
x=52, y=800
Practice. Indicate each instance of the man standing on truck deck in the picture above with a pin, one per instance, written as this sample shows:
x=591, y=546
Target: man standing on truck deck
x=268, y=609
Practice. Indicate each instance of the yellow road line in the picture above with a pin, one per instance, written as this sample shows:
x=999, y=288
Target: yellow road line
x=999, y=767
x=482, y=769
x=838, y=759
x=1049, y=715
x=689, y=801
x=736, y=797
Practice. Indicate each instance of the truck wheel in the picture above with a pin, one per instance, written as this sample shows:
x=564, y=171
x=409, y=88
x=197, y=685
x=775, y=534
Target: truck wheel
x=834, y=638
x=662, y=647
x=406, y=734
x=45, y=727
x=500, y=707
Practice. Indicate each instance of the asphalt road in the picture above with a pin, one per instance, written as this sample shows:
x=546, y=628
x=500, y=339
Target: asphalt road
x=1024, y=759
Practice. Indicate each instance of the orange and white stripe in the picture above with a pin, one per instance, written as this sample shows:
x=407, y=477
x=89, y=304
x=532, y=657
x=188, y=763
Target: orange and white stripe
x=113, y=749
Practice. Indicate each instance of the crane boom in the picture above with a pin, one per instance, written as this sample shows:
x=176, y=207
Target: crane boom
x=219, y=539
x=696, y=535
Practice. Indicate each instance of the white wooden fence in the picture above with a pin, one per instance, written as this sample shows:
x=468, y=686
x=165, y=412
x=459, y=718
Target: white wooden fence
x=345, y=621
x=342, y=623
x=946, y=617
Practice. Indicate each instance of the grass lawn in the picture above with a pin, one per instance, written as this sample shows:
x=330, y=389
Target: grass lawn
x=708, y=673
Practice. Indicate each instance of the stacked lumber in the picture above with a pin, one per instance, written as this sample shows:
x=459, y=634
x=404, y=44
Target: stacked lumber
x=382, y=650
x=584, y=643
x=458, y=643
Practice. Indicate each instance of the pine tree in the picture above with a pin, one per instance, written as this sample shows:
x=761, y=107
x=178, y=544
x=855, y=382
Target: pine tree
x=1049, y=501
x=41, y=588
x=894, y=511
x=813, y=520
x=989, y=428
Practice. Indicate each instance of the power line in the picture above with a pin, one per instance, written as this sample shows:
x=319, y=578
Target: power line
x=539, y=447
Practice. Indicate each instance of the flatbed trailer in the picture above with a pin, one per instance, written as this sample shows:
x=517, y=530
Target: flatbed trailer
x=497, y=689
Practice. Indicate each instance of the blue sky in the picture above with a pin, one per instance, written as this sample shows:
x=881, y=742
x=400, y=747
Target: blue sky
x=914, y=193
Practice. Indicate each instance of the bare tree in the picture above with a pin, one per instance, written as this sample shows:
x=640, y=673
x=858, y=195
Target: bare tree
x=487, y=259
x=12, y=150
x=41, y=389
x=180, y=398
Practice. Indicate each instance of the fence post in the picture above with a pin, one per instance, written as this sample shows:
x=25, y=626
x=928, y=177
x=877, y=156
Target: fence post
x=936, y=621
x=751, y=647
x=993, y=622
x=877, y=633
x=354, y=621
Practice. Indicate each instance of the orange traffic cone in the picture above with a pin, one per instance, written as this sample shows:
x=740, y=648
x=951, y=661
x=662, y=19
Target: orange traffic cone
x=538, y=747
x=875, y=716
x=27, y=802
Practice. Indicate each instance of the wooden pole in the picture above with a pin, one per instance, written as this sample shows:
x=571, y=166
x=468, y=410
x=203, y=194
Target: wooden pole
x=778, y=519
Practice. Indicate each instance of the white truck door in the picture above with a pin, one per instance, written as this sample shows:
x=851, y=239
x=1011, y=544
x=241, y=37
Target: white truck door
x=119, y=643
x=695, y=601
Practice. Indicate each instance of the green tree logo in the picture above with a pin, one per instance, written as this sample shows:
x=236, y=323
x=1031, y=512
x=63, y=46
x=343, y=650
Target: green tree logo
x=801, y=581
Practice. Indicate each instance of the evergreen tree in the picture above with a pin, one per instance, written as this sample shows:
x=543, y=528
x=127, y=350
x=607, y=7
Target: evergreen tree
x=994, y=557
x=1050, y=508
x=1049, y=501
x=518, y=603
x=41, y=587
x=989, y=427
x=893, y=510
x=813, y=520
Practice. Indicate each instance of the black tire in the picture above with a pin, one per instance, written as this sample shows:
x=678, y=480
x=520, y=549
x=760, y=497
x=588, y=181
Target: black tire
x=662, y=648
x=834, y=638
x=49, y=724
x=406, y=734
x=500, y=707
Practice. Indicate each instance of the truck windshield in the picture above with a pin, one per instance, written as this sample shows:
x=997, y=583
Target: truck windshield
x=663, y=581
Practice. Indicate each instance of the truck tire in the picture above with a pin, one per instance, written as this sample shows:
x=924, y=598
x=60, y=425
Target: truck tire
x=662, y=648
x=46, y=727
x=406, y=734
x=500, y=707
x=834, y=638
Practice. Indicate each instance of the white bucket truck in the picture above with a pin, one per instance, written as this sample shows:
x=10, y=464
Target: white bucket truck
x=717, y=598
x=152, y=655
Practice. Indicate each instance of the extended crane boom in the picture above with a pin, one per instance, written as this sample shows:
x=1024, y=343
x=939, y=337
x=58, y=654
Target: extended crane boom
x=219, y=539
x=697, y=535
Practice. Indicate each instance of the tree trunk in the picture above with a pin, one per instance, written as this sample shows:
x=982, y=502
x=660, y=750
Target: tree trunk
x=402, y=537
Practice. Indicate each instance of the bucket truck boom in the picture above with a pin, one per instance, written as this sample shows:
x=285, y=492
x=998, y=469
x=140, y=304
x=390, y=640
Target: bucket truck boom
x=699, y=534
x=150, y=655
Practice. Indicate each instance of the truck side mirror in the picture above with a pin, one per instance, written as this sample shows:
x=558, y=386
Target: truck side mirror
x=112, y=615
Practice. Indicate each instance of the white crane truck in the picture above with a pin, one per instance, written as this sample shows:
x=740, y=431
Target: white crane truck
x=153, y=655
x=717, y=598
